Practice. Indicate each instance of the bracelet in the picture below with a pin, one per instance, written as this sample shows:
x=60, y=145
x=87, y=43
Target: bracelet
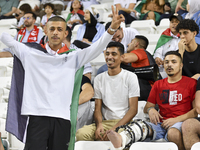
x=113, y=30
x=149, y=109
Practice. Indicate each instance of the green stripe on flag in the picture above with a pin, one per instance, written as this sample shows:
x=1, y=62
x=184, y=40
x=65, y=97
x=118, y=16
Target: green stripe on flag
x=74, y=104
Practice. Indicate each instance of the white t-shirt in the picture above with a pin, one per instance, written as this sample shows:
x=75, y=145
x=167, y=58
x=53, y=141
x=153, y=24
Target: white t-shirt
x=124, y=3
x=44, y=19
x=115, y=91
x=129, y=35
x=49, y=79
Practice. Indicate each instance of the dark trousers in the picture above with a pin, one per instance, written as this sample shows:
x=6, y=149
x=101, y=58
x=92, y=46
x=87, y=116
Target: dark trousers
x=47, y=133
x=128, y=17
x=6, y=17
x=80, y=44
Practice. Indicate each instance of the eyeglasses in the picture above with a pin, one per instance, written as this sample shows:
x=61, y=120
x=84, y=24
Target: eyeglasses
x=27, y=18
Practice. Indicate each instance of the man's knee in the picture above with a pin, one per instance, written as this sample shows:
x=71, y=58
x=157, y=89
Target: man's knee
x=187, y=124
x=84, y=134
x=190, y=125
x=151, y=15
x=173, y=135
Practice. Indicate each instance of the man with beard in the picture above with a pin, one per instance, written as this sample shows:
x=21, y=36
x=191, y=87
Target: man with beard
x=175, y=97
x=45, y=83
x=30, y=33
x=116, y=97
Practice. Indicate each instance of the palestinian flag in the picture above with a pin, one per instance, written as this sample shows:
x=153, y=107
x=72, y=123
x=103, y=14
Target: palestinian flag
x=15, y=122
x=164, y=38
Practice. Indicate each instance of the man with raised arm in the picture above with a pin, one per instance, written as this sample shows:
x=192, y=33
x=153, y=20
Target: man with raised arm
x=44, y=85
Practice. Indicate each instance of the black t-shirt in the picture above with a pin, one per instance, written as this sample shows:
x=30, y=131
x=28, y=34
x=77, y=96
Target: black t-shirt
x=84, y=80
x=198, y=85
x=191, y=62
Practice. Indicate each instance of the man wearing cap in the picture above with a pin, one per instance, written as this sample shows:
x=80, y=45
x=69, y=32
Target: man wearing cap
x=168, y=41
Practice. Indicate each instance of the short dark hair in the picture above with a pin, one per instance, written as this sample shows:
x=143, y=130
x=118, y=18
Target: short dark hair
x=174, y=53
x=56, y=18
x=33, y=14
x=144, y=42
x=108, y=25
x=25, y=8
x=187, y=24
x=71, y=9
x=50, y=5
x=68, y=38
x=119, y=46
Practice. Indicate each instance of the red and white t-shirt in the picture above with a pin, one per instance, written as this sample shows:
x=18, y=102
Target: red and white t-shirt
x=142, y=58
x=173, y=99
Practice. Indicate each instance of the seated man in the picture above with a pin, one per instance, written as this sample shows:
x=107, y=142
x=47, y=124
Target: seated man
x=168, y=41
x=123, y=35
x=30, y=33
x=116, y=97
x=85, y=112
x=191, y=127
x=174, y=96
x=126, y=8
x=7, y=8
x=136, y=52
x=139, y=57
x=188, y=48
x=180, y=6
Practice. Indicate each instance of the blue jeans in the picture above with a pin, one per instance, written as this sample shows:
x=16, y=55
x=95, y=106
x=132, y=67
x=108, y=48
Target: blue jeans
x=160, y=132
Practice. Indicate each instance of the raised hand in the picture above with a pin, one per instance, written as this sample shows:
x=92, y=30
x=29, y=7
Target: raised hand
x=117, y=19
x=181, y=46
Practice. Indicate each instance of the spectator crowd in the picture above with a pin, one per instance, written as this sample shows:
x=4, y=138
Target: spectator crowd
x=53, y=91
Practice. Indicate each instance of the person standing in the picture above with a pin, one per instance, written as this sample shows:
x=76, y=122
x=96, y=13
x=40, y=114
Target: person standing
x=46, y=84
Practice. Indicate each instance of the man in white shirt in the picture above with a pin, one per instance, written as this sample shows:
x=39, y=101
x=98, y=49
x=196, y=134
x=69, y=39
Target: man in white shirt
x=126, y=8
x=49, y=83
x=123, y=35
x=116, y=97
